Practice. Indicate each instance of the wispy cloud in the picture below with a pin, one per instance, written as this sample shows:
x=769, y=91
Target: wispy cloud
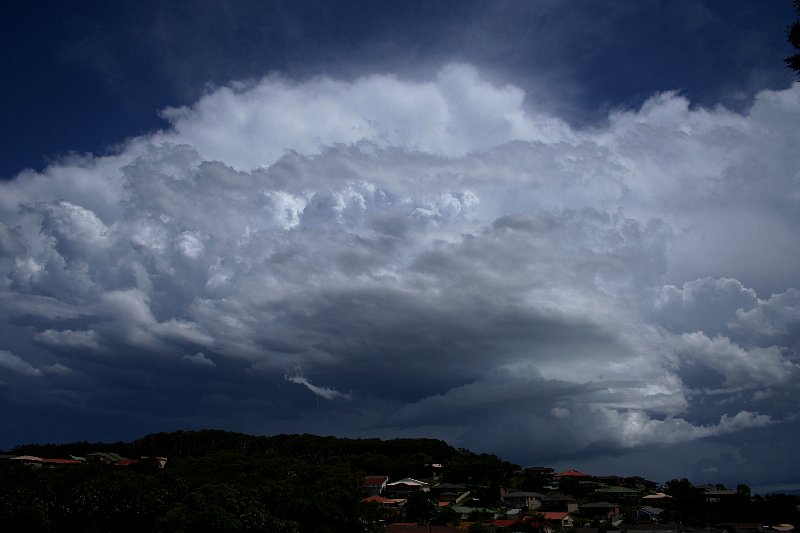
x=323, y=392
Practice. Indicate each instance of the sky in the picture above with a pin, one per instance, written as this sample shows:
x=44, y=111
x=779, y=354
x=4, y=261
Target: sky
x=567, y=233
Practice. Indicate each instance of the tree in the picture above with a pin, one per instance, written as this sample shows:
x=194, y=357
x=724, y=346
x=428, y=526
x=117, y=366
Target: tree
x=420, y=507
x=688, y=501
x=793, y=37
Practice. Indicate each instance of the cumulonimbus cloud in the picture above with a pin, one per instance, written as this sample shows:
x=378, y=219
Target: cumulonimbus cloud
x=441, y=249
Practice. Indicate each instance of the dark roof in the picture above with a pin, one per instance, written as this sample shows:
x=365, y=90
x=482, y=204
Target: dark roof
x=599, y=505
x=558, y=498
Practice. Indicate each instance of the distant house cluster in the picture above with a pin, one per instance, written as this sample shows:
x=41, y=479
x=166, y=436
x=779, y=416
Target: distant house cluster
x=106, y=458
x=596, y=504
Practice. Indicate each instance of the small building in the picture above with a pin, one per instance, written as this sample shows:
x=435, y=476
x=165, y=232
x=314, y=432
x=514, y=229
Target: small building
x=718, y=495
x=600, y=511
x=559, y=503
x=54, y=463
x=559, y=520
x=387, y=503
x=647, y=513
x=618, y=494
x=404, y=487
x=103, y=457
x=520, y=500
x=29, y=460
x=375, y=485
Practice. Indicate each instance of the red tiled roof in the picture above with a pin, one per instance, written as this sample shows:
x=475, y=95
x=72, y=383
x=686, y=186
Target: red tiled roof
x=572, y=473
x=126, y=462
x=553, y=515
x=376, y=499
x=375, y=480
x=401, y=527
x=505, y=523
x=61, y=461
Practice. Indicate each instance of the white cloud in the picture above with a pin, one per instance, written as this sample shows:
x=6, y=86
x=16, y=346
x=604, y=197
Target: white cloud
x=754, y=367
x=440, y=247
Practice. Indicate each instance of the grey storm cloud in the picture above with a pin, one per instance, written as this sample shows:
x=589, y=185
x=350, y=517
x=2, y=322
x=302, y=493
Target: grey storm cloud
x=430, y=257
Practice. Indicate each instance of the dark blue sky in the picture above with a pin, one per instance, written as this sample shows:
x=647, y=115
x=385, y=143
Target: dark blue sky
x=564, y=232
x=83, y=77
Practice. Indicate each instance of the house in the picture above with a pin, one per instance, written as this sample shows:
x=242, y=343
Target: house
x=449, y=487
x=506, y=525
x=41, y=462
x=375, y=484
x=619, y=494
x=741, y=527
x=559, y=503
x=160, y=462
x=404, y=487
x=103, y=457
x=450, y=492
x=654, y=528
x=387, y=503
x=533, y=471
x=468, y=513
x=525, y=524
x=404, y=527
x=647, y=513
x=590, y=486
x=29, y=460
x=717, y=495
x=559, y=520
x=600, y=511
x=53, y=463
x=520, y=500
x=656, y=496
x=573, y=474
x=436, y=470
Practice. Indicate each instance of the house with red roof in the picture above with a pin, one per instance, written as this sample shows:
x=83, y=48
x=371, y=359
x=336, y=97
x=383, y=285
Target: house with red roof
x=404, y=527
x=572, y=473
x=375, y=484
x=388, y=503
x=559, y=520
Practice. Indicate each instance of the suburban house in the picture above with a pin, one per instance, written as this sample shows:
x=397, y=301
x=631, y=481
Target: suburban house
x=572, y=474
x=404, y=487
x=600, y=511
x=375, y=484
x=401, y=527
x=41, y=462
x=620, y=494
x=647, y=513
x=559, y=503
x=717, y=495
x=387, y=503
x=559, y=520
x=520, y=500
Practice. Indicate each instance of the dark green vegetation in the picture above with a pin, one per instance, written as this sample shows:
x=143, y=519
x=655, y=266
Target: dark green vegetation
x=221, y=481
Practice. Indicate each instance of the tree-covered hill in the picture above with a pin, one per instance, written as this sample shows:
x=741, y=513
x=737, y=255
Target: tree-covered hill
x=223, y=481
